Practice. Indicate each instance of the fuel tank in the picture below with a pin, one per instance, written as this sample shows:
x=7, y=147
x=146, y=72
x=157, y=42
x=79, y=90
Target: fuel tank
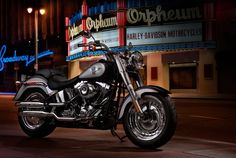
x=99, y=71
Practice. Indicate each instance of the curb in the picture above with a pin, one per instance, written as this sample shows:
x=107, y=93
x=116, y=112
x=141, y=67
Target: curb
x=204, y=97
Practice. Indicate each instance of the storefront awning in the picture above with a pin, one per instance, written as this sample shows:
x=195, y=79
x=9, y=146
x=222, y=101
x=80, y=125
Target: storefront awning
x=148, y=48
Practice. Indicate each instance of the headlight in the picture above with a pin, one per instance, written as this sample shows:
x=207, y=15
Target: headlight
x=137, y=59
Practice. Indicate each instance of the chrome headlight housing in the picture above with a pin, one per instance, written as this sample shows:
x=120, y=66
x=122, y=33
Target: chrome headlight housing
x=137, y=59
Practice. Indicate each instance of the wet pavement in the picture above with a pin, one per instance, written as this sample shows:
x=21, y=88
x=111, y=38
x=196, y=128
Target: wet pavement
x=92, y=143
x=64, y=142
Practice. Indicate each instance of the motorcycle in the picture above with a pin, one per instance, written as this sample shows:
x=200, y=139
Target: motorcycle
x=107, y=93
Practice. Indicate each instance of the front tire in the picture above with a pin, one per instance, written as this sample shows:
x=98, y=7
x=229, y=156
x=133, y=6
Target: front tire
x=35, y=126
x=155, y=126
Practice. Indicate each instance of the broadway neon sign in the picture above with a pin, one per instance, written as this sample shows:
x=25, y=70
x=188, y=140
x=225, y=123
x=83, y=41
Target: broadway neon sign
x=25, y=58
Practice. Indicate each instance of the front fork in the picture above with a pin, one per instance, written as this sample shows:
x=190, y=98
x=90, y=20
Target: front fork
x=128, y=84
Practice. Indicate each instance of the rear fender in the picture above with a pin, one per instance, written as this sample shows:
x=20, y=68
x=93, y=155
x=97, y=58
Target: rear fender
x=140, y=92
x=34, y=83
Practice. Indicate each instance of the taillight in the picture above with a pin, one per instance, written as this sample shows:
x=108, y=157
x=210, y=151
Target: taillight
x=31, y=83
x=34, y=83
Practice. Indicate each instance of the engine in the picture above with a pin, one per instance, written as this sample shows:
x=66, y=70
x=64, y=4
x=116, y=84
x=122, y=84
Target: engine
x=88, y=91
x=86, y=99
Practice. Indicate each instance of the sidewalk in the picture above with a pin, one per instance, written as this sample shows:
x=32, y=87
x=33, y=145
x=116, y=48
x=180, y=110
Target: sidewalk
x=7, y=104
x=98, y=143
x=203, y=96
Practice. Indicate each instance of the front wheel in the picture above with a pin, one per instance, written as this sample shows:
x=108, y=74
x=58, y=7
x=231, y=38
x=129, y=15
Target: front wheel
x=155, y=126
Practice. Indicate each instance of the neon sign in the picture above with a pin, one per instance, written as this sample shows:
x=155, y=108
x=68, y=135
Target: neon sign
x=28, y=59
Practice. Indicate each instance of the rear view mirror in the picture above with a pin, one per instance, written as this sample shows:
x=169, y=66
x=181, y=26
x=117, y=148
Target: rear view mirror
x=130, y=46
x=85, y=34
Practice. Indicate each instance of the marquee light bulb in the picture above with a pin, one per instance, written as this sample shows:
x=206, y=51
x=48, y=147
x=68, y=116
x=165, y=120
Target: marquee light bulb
x=29, y=10
x=42, y=11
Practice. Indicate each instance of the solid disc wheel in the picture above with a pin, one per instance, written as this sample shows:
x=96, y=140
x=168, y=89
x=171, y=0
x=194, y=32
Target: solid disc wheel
x=155, y=126
x=35, y=126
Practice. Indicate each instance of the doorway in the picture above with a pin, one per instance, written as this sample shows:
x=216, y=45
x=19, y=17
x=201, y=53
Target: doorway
x=183, y=76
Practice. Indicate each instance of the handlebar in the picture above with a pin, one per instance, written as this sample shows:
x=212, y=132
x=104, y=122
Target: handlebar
x=94, y=44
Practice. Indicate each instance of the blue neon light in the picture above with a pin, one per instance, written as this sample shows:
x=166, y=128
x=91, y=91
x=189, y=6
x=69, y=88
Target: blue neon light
x=7, y=93
x=28, y=59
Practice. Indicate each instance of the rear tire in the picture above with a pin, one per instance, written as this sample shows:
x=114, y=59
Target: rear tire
x=34, y=126
x=155, y=126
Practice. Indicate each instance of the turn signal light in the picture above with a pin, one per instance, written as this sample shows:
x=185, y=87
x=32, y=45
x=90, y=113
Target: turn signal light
x=18, y=84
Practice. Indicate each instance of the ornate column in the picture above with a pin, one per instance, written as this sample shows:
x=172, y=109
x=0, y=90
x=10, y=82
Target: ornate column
x=84, y=16
x=121, y=20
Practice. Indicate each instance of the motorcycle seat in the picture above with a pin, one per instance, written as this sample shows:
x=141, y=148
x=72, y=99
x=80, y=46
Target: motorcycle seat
x=56, y=79
x=47, y=73
x=57, y=82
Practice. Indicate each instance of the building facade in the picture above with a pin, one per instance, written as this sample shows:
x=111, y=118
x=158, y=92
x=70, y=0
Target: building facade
x=187, y=46
x=177, y=40
x=17, y=38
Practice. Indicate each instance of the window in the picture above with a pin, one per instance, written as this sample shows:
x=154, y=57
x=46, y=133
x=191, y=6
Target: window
x=183, y=77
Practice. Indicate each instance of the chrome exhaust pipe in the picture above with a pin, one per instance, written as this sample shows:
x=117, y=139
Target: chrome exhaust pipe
x=46, y=114
x=30, y=105
x=37, y=104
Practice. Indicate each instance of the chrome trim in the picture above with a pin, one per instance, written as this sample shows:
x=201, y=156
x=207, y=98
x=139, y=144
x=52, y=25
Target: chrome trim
x=128, y=83
x=30, y=104
x=36, y=104
x=46, y=114
x=56, y=104
x=128, y=99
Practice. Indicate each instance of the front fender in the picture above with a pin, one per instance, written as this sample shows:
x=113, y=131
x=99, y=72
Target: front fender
x=40, y=84
x=140, y=91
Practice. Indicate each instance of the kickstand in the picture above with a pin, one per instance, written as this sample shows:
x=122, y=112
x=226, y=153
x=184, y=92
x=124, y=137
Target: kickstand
x=113, y=132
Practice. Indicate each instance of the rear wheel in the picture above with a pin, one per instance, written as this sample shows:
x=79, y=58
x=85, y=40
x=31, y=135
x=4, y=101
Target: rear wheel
x=35, y=126
x=155, y=126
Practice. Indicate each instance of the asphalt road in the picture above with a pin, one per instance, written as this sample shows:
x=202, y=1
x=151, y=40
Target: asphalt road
x=213, y=119
x=206, y=128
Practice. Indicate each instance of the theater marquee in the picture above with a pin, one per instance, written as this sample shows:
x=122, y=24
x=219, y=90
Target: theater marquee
x=162, y=14
x=190, y=32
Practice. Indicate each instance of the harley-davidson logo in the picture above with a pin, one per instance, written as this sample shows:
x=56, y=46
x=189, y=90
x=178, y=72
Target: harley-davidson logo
x=95, y=69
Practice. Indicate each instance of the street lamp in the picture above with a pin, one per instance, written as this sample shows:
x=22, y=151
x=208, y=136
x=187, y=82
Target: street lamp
x=36, y=13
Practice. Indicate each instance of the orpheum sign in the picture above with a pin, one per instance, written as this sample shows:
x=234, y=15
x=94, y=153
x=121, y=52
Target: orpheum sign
x=101, y=22
x=161, y=15
x=95, y=24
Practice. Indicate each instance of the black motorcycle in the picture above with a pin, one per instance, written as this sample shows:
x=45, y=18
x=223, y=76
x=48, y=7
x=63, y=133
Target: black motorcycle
x=109, y=92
